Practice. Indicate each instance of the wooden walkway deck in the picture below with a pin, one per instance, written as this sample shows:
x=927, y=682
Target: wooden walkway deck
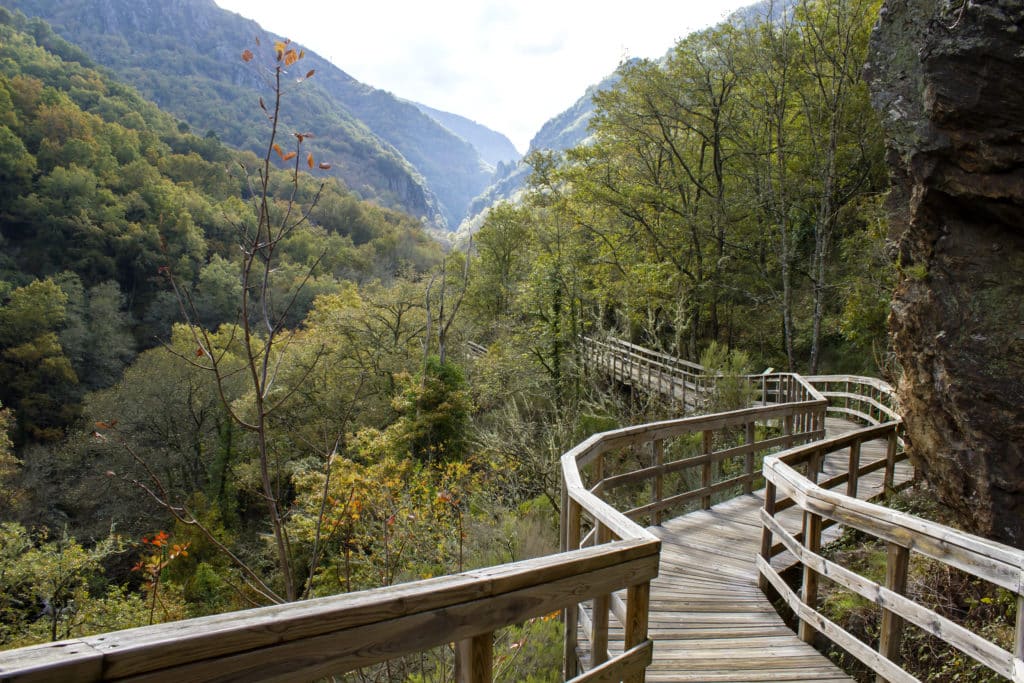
x=708, y=618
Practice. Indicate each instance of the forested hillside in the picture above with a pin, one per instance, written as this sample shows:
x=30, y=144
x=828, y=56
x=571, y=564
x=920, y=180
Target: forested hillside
x=183, y=57
x=310, y=422
x=188, y=370
x=730, y=193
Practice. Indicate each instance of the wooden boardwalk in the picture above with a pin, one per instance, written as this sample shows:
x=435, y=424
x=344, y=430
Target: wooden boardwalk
x=708, y=618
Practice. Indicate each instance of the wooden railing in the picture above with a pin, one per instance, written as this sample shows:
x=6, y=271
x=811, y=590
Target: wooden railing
x=681, y=380
x=786, y=487
x=666, y=465
x=866, y=400
x=329, y=636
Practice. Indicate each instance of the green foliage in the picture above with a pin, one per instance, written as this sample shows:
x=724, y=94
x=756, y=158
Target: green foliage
x=36, y=376
x=434, y=408
x=729, y=368
x=385, y=148
x=9, y=493
x=48, y=589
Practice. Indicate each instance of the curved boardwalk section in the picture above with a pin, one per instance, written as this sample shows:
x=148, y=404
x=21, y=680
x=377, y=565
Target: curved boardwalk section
x=708, y=618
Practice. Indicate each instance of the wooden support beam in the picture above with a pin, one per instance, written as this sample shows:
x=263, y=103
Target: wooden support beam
x=896, y=567
x=748, y=461
x=890, y=462
x=570, y=615
x=474, y=659
x=1018, y=648
x=599, y=616
x=638, y=604
x=766, y=533
x=853, y=470
x=812, y=541
x=658, y=483
x=705, y=474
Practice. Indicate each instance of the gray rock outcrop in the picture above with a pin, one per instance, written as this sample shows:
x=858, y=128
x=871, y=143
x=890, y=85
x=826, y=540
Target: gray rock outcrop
x=948, y=80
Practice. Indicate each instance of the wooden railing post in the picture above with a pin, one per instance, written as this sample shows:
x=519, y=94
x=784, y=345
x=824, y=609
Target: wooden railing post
x=474, y=659
x=599, y=618
x=896, y=566
x=570, y=615
x=1018, y=648
x=748, y=463
x=766, y=533
x=812, y=541
x=853, y=470
x=889, y=480
x=787, y=430
x=658, y=483
x=638, y=604
x=705, y=473
x=814, y=465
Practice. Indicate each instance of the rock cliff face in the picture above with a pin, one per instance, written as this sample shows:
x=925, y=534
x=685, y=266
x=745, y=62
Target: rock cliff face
x=948, y=79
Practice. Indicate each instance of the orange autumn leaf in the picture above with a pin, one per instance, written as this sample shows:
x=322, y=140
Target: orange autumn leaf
x=324, y=166
x=291, y=57
x=277, y=148
x=247, y=56
x=289, y=156
x=309, y=160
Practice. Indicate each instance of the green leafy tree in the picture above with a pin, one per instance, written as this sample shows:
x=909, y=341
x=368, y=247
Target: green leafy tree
x=53, y=589
x=36, y=378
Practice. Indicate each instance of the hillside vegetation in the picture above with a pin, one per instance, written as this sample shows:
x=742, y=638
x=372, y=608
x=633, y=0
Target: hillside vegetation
x=183, y=56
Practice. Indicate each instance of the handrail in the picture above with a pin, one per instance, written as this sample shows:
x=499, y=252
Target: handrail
x=987, y=560
x=794, y=414
x=326, y=636
x=866, y=399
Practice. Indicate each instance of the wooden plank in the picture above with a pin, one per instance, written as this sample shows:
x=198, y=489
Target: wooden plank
x=658, y=487
x=812, y=544
x=65, y=660
x=144, y=649
x=599, y=616
x=625, y=667
x=341, y=651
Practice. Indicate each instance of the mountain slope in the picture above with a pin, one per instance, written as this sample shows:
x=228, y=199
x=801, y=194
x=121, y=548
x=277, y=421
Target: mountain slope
x=494, y=148
x=184, y=55
x=564, y=131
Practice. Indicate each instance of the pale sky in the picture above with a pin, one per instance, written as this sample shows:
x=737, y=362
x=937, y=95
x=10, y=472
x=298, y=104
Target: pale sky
x=508, y=64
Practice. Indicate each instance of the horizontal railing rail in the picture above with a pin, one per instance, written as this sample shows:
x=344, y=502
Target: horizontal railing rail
x=902, y=534
x=866, y=400
x=329, y=636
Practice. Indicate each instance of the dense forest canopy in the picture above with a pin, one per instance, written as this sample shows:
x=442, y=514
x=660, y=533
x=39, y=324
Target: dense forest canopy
x=248, y=416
